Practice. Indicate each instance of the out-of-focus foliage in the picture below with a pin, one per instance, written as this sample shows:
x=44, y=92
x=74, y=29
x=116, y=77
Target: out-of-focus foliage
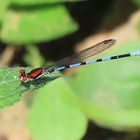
x=23, y=24
x=112, y=90
x=25, y=2
x=138, y=26
x=57, y=114
x=137, y=2
x=31, y=55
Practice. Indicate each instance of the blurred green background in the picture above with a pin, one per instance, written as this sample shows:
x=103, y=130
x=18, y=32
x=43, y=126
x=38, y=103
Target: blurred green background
x=98, y=101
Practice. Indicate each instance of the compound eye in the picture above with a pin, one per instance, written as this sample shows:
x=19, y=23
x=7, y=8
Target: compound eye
x=23, y=78
x=22, y=72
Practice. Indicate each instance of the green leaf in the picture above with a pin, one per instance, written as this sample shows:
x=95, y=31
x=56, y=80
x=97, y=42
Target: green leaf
x=25, y=2
x=35, y=25
x=55, y=114
x=138, y=26
x=3, y=8
x=10, y=89
x=31, y=55
x=137, y=2
x=111, y=90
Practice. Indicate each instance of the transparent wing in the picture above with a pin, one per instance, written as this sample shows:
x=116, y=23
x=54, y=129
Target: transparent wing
x=87, y=53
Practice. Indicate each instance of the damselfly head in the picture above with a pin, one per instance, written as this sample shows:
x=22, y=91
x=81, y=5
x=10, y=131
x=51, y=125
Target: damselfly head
x=23, y=75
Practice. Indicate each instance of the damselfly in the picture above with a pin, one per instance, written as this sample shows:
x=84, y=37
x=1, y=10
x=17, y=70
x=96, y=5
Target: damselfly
x=75, y=60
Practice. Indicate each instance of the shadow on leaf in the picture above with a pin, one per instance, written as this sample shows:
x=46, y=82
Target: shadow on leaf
x=38, y=83
x=31, y=85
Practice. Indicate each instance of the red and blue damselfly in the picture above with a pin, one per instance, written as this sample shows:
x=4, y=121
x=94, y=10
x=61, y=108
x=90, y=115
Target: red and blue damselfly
x=75, y=60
